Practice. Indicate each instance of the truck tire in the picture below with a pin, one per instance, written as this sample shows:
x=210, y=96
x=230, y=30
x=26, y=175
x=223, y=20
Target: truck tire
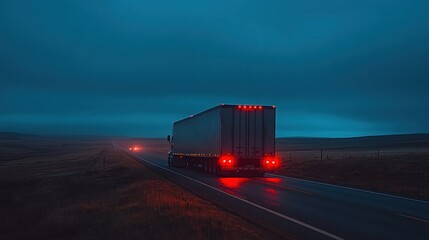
x=215, y=168
x=210, y=166
x=205, y=166
x=217, y=171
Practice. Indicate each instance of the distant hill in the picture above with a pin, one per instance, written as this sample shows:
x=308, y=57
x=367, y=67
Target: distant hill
x=383, y=141
x=15, y=135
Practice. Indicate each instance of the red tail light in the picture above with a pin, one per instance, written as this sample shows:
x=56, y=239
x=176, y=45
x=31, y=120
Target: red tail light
x=271, y=162
x=226, y=161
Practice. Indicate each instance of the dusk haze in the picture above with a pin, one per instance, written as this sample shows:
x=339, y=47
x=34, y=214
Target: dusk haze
x=130, y=68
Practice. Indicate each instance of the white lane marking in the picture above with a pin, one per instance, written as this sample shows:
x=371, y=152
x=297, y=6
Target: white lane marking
x=323, y=232
x=414, y=218
x=349, y=188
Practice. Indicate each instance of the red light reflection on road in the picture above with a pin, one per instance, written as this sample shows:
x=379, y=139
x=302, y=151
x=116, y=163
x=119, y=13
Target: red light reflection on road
x=272, y=195
x=273, y=180
x=271, y=191
x=232, y=182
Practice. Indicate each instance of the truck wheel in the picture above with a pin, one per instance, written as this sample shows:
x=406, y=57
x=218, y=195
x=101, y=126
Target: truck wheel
x=210, y=166
x=215, y=167
x=216, y=170
x=204, y=164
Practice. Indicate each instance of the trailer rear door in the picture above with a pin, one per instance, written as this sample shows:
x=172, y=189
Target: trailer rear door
x=248, y=132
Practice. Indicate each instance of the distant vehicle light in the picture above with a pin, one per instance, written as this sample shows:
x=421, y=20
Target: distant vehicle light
x=135, y=148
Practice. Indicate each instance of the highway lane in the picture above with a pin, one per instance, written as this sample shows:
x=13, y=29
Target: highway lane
x=308, y=210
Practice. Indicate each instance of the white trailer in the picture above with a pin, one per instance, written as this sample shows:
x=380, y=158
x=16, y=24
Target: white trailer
x=226, y=139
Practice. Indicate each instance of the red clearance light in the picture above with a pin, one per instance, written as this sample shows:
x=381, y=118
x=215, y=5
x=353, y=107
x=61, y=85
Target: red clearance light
x=246, y=107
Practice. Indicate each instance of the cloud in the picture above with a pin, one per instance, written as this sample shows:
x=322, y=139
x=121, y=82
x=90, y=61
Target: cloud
x=360, y=66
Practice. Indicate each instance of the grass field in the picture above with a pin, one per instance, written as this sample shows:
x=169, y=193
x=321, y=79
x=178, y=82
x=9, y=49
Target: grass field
x=397, y=164
x=75, y=189
x=53, y=188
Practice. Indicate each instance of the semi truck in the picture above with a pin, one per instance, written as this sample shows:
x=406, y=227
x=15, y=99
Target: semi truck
x=226, y=140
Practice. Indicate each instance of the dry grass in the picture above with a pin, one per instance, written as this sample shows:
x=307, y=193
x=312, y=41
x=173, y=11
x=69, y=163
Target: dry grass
x=68, y=195
x=403, y=173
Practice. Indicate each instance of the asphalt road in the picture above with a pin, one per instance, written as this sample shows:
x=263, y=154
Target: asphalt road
x=299, y=209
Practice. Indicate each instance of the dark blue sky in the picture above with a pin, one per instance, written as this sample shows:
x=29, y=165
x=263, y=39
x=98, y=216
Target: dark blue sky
x=129, y=67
